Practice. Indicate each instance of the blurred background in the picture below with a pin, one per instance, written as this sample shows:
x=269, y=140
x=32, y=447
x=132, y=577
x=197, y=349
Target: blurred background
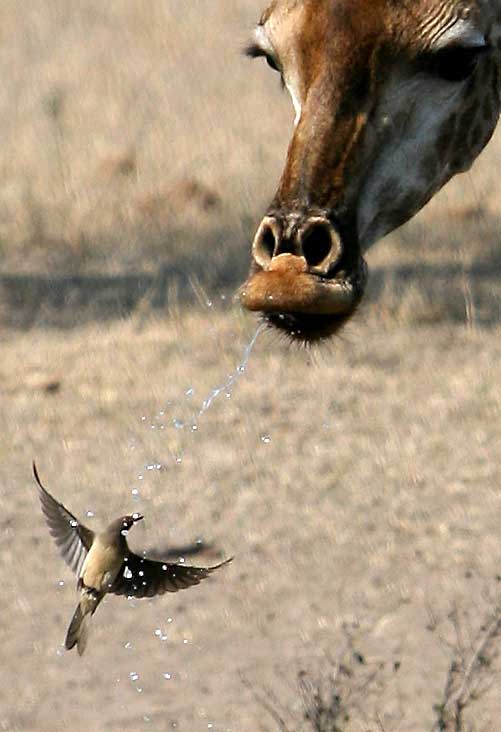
x=357, y=484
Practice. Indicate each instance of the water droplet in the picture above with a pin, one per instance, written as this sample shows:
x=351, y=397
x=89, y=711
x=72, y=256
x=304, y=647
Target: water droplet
x=232, y=379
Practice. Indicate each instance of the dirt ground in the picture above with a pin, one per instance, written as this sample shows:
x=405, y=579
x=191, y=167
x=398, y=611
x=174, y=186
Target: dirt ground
x=357, y=486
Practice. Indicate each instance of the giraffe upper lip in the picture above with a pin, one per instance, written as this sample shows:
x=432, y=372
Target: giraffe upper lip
x=290, y=288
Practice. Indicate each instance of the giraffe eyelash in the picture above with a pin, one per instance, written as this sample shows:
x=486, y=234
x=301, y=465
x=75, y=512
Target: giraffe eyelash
x=253, y=50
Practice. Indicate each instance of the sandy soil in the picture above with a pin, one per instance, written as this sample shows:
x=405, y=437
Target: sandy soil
x=357, y=487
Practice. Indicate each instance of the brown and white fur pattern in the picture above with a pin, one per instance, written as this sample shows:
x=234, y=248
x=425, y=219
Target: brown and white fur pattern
x=392, y=98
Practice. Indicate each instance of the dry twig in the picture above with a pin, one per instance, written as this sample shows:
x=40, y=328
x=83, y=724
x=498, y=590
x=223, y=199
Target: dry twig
x=468, y=676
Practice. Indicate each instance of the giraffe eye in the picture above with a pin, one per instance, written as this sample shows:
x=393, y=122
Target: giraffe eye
x=272, y=62
x=457, y=63
x=255, y=51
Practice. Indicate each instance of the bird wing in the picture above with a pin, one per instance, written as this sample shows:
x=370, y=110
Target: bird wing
x=142, y=577
x=72, y=538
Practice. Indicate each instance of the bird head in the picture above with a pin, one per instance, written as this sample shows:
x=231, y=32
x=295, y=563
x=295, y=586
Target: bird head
x=129, y=521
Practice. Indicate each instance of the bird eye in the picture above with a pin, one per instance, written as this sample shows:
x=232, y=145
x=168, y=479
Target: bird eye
x=457, y=63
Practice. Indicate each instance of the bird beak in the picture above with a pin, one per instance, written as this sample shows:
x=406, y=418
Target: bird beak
x=137, y=517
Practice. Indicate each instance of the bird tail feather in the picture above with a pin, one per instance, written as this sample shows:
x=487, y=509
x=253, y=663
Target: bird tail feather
x=78, y=631
x=83, y=636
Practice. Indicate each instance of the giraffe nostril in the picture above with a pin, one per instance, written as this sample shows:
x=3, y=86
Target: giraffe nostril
x=265, y=242
x=320, y=245
x=268, y=242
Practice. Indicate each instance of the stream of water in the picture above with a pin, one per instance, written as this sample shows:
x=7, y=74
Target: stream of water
x=228, y=385
x=162, y=419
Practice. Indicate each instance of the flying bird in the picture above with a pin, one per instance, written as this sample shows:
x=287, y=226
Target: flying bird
x=104, y=564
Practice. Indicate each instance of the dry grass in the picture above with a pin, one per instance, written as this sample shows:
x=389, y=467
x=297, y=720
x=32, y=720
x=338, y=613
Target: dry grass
x=358, y=486
x=346, y=692
x=131, y=135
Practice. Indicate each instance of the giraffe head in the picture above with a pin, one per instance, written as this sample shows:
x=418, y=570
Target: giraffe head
x=391, y=99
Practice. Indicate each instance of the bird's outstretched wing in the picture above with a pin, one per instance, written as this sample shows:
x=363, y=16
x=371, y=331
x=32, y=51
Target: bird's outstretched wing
x=142, y=577
x=72, y=538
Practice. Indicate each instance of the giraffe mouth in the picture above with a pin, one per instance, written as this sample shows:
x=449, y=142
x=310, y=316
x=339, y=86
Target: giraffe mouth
x=307, y=307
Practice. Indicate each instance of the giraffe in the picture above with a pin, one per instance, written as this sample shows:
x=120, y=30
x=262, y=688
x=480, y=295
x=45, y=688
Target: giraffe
x=392, y=98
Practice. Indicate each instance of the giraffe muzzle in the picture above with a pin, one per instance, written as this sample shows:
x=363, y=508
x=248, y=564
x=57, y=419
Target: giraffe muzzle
x=302, y=273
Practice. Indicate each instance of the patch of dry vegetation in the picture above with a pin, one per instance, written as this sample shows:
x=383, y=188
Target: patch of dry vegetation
x=349, y=692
